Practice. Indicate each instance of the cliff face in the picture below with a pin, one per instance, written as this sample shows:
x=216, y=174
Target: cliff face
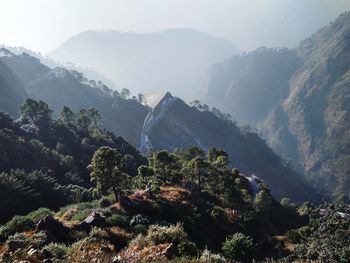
x=181, y=126
x=299, y=99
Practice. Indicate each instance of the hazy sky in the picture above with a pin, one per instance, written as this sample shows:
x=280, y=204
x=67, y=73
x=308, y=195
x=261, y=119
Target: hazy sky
x=43, y=24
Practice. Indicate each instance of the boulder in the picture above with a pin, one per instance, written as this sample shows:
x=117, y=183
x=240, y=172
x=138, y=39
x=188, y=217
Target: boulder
x=94, y=219
x=13, y=245
x=54, y=229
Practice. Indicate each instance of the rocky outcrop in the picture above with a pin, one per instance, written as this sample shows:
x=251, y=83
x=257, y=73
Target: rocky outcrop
x=54, y=229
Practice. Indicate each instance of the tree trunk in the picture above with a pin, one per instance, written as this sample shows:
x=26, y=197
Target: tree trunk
x=116, y=194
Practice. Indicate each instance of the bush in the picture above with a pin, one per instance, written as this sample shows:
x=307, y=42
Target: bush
x=15, y=225
x=98, y=234
x=39, y=239
x=187, y=248
x=40, y=213
x=140, y=229
x=139, y=241
x=218, y=215
x=238, y=247
x=58, y=251
x=208, y=257
x=104, y=202
x=139, y=219
x=166, y=234
x=117, y=220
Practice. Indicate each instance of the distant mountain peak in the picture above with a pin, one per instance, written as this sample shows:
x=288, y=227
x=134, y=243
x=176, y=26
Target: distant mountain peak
x=5, y=53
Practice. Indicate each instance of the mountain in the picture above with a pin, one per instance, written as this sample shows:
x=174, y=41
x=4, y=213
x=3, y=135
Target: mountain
x=12, y=92
x=90, y=73
x=299, y=99
x=173, y=124
x=174, y=60
x=60, y=87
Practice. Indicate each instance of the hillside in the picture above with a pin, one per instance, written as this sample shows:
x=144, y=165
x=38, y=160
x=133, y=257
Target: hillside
x=175, y=205
x=174, y=125
x=173, y=129
x=298, y=99
x=12, y=92
x=60, y=87
x=174, y=60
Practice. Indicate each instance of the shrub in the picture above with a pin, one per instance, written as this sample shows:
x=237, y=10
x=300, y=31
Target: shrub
x=16, y=224
x=117, y=220
x=140, y=229
x=39, y=214
x=58, y=251
x=218, y=215
x=39, y=239
x=187, y=248
x=238, y=247
x=98, y=234
x=104, y=202
x=18, y=236
x=139, y=219
x=166, y=234
x=208, y=257
x=139, y=241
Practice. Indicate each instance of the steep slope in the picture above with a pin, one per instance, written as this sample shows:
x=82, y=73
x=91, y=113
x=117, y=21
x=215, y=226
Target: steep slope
x=12, y=92
x=174, y=59
x=299, y=99
x=249, y=86
x=180, y=126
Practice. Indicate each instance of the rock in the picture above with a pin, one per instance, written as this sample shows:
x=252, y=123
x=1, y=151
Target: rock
x=54, y=229
x=139, y=219
x=117, y=259
x=125, y=201
x=94, y=219
x=32, y=252
x=13, y=245
x=46, y=254
x=169, y=251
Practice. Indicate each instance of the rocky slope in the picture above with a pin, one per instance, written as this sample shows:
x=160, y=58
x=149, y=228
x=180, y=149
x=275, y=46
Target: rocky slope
x=299, y=99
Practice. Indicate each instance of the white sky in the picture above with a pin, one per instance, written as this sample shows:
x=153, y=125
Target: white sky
x=42, y=25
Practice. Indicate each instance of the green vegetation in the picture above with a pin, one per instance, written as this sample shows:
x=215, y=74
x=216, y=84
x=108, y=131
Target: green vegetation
x=181, y=206
x=43, y=161
x=184, y=206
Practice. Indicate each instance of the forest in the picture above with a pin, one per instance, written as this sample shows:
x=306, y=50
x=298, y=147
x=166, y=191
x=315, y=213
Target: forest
x=85, y=194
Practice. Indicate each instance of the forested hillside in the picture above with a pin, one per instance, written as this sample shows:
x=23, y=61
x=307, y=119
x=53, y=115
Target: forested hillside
x=60, y=87
x=298, y=99
x=84, y=195
x=126, y=116
x=44, y=160
x=182, y=126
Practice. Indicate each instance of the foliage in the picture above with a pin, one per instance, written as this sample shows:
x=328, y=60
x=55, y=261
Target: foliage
x=106, y=171
x=238, y=247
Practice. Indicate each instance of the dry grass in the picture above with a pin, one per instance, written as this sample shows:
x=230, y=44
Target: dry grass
x=3, y=248
x=119, y=232
x=147, y=254
x=174, y=193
